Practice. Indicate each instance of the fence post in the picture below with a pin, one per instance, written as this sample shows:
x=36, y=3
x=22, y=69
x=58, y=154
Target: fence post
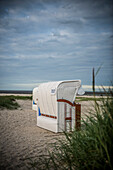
x=65, y=110
x=70, y=119
x=78, y=116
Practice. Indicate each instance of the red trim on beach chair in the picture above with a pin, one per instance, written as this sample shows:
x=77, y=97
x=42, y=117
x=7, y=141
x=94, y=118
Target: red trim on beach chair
x=54, y=117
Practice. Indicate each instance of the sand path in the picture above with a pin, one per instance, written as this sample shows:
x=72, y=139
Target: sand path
x=20, y=137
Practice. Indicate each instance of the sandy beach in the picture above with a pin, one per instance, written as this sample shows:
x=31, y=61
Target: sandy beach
x=21, y=138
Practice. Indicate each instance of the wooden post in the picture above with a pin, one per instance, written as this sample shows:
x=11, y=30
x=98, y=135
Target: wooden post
x=70, y=119
x=93, y=82
x=65, y=110
x=77, y=116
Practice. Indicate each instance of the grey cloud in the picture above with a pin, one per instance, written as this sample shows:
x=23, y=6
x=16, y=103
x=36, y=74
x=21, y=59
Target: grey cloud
x=15, y=4
x=89, y=10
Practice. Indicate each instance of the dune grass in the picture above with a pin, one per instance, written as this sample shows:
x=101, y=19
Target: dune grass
x=9, y=102
x=90, y=148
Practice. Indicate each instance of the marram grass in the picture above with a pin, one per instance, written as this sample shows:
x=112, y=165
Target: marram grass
x=90, y=148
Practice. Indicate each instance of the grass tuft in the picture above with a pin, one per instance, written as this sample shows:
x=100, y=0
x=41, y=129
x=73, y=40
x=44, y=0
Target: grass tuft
x=9, y=102
x=90, y=148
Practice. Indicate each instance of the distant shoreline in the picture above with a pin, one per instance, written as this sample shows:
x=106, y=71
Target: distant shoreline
x=88, y=93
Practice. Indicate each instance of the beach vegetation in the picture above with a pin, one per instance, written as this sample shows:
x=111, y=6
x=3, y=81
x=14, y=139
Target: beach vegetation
x=10, y=102
x=89, y=148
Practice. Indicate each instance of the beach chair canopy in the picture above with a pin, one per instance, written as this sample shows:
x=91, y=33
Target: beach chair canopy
x=47, y=94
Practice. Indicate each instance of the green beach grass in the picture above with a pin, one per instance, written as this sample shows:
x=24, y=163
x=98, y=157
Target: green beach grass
x=90, y=148
x=9, y=102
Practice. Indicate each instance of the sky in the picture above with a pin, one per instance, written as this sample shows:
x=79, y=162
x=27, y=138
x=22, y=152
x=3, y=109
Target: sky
x=52, y=40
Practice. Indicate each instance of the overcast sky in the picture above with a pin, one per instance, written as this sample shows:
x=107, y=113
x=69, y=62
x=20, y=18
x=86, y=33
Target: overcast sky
x=50, y=40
